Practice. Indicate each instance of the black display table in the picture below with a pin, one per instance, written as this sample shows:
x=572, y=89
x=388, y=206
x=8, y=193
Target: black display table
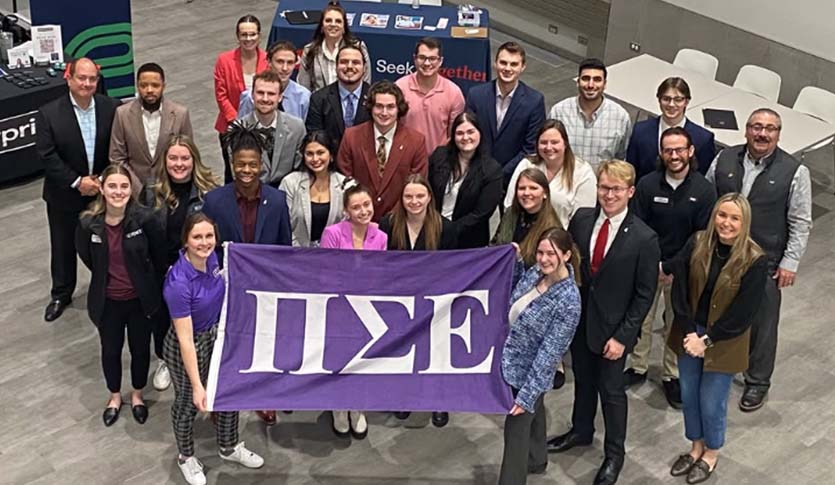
x=18, y=109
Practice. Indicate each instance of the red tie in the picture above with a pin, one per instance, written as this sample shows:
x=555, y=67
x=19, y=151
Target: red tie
x=600, y=247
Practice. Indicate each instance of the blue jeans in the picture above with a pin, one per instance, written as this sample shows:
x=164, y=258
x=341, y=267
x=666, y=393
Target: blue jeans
x=704, y=396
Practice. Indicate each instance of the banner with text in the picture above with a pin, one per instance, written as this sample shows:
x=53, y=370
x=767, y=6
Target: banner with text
x=318, y=329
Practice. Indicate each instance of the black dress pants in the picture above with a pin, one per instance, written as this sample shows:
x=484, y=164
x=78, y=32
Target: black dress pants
x=524, y=444
x=227, y=166
x=116, y=316
x=763, y=349
x=596, y=376
x=63, y=263
x=161, y=324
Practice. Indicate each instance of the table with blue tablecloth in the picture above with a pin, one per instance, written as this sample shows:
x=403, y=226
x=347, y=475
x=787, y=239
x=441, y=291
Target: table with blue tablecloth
x=466, y=60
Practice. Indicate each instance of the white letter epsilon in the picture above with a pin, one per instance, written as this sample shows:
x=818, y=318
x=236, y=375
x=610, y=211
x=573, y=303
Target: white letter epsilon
x=377, y=328
x=441, y=331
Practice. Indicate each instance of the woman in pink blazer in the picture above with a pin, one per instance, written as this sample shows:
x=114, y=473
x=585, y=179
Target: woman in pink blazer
x=234, y=70
x=356, y=232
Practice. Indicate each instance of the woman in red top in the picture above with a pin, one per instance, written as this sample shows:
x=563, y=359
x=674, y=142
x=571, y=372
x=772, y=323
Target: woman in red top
x=234, y=70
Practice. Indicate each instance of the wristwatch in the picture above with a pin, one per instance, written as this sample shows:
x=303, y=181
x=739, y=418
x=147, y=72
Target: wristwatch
x=708, y=342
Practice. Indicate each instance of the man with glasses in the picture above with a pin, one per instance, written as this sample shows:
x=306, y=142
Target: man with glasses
x=72, y=142
x=673, y=97
x=779, y=190
x=675, y=201
x=598, y=128
x=434, y=101
x=619, y=271
x=381, y=153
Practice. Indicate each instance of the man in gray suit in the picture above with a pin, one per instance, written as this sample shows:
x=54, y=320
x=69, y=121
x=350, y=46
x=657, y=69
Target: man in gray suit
x=283, y=156
x=142, y=127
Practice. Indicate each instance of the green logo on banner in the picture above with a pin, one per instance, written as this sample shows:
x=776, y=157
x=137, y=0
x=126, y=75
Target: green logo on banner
x=107, y=35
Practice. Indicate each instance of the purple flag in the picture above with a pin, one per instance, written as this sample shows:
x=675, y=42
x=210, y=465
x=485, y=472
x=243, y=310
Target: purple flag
x=317, y=329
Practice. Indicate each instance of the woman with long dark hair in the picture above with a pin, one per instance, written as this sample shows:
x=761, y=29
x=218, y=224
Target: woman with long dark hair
x=415, y=223
x=194, y=290
x=314, y=192
x=318, y=63
x=719, y=279
x=544, y=314
x=466, y=181
x=123, y=245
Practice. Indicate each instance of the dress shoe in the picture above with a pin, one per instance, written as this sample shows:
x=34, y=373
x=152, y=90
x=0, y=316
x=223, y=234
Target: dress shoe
x=752, y=399
x=565, y=442
x=672, y=391
x=54, y=310
x=140, y=413
x=268, y=417
x=559, y=379
x=402, y=414
x=608, y=472
x=683, y=464
x=538, y=469
x=440, y=419
x=700, y=472
x=110, y=416
x=631, y=377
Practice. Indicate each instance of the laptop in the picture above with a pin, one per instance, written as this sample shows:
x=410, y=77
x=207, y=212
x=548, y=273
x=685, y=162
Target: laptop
x=720, y=118
x=303, y=17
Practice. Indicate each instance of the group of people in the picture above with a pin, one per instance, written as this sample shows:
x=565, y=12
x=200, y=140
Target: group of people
x=329, y=160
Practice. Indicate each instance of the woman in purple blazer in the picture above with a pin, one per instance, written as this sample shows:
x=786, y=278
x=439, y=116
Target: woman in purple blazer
x=355, y=232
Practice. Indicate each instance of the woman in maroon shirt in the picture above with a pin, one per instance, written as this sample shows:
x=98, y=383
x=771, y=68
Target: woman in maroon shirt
x=123, y=245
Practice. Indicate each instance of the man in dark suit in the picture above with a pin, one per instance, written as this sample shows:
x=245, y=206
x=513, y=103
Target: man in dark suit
x=72, y=143
x=342, y=104
x=509, y=111
x=381, y=153
x=619, y=269
x=673, y=97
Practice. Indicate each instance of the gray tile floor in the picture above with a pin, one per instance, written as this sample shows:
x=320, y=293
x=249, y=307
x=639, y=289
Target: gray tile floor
x=52, y=392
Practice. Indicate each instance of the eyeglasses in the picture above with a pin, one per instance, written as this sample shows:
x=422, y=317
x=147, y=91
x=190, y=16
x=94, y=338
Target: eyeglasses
x=678, y=151
x=758, y=128
x=603, y=190
x=430, y=59
x=673, y=99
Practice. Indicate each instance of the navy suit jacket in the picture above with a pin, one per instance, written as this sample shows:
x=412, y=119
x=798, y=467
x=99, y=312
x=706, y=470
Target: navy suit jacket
x=272, y=224
x=516, y=138
x=643, y=146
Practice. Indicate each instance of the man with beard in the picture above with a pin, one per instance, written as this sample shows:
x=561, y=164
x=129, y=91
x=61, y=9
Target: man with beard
x=295, y=98
x=342, y=104
x=675, y=201
x=780, y=193
x=142, y=127
x=282, y=154
x=434, y=101
x=598, y=128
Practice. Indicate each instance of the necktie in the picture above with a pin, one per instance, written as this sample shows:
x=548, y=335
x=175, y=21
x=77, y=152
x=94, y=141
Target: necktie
x=600, y=247
x=381, y=155
x=348, y=116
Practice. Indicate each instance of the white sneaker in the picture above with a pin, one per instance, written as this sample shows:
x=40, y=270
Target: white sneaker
x=359, y=426
x=162, y=378
x=192, y=471
x=243, y=456
x=340, y=423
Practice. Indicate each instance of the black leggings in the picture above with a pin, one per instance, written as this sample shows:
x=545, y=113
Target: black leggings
x=118, y=315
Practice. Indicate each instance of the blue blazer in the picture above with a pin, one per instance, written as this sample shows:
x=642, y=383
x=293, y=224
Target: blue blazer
x=516, y=138
x=642, y=152
x=272, y=224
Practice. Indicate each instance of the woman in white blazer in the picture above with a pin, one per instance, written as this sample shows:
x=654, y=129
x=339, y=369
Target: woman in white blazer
x=314, y=192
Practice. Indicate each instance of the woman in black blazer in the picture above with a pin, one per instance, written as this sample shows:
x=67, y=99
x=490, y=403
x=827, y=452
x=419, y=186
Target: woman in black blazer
x=415, y=224
x=123, y=245
x=467, y=181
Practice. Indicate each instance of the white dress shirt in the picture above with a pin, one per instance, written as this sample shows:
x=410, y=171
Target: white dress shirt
x=614, y=227
x=389, y=139
x=151, y=122
x=502, y=103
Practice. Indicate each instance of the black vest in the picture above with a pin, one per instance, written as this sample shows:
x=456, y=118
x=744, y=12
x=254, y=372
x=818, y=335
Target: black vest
x=769, y=196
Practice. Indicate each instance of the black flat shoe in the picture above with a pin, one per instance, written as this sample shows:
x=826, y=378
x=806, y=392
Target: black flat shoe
x=54, y=310
x=402, y=414
x=682, y=465
x=700, y=472
x=672, y=391
x=565, y=442
x=752, y=399
x=140, y=413
x=110, y=416
x=440, y=419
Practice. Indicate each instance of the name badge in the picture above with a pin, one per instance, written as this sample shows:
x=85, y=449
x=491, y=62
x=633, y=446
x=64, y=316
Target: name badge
x=95, y=238
x=133, y=234
x=661, y=200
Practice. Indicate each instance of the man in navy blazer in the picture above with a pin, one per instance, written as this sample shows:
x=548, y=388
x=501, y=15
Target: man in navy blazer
x=509, y=111
x=673, y=97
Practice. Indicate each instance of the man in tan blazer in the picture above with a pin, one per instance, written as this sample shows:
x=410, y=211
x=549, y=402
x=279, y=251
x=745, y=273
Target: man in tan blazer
x=143, y=127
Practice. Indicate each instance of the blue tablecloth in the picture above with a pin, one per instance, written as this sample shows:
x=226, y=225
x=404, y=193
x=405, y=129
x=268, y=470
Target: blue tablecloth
x=466, y=61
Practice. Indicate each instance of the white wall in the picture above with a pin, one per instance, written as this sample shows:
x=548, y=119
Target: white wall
x=806, y=25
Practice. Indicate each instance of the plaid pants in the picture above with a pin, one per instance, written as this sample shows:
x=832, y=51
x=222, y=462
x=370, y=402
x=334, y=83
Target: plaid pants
x=183, y=410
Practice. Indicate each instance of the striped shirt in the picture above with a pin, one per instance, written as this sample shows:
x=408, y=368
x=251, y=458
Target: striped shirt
x=87, y=124
x=602, y=138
